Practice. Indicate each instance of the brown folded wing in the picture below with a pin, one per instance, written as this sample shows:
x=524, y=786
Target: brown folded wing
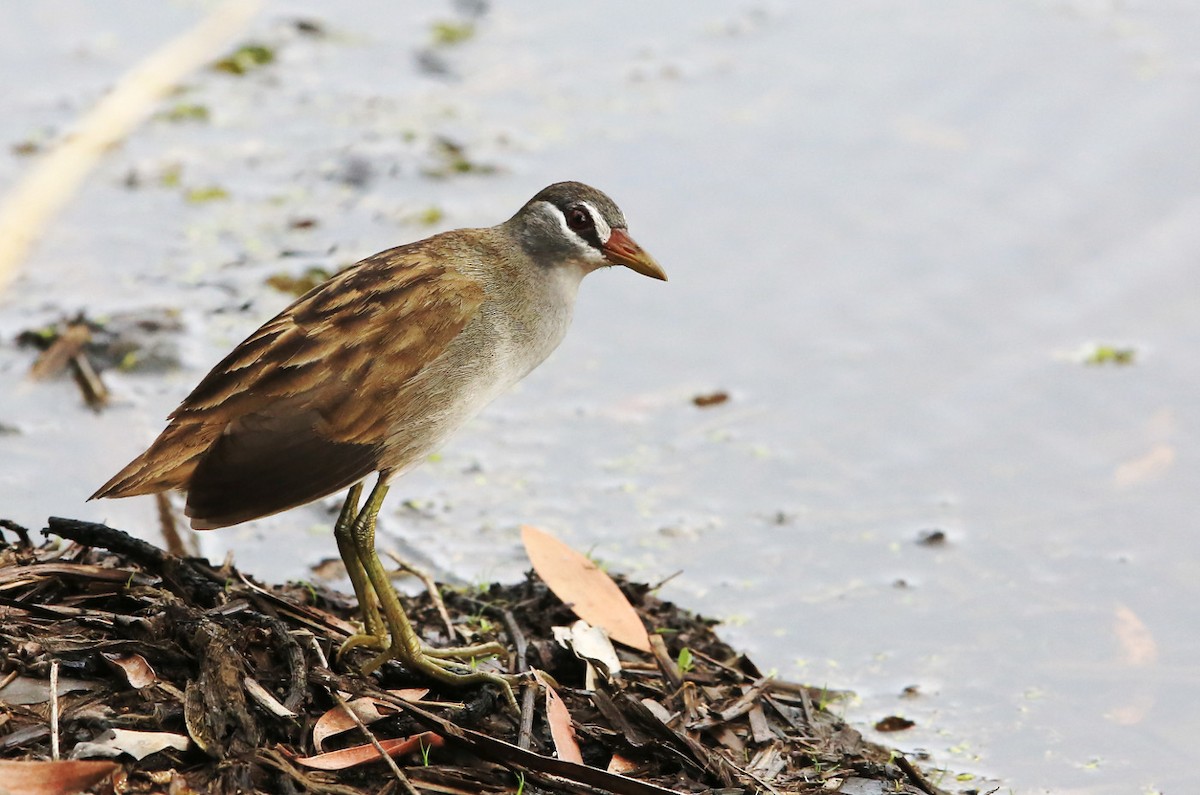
x=299, y=409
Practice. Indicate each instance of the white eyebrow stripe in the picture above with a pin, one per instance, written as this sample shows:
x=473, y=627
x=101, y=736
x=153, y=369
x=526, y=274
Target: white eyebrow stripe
x=602, y=229
x=582, y=247
x=549, y=209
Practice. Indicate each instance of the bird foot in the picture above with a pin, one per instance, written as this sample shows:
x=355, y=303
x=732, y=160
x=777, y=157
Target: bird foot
x=454, y=667
x=364, y=640
x=468, y=653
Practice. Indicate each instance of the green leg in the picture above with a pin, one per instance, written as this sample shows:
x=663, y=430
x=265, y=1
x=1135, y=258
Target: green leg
x=406, y=646
x=375, y=633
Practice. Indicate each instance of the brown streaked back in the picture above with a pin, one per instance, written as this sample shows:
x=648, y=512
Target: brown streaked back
x=280, y=421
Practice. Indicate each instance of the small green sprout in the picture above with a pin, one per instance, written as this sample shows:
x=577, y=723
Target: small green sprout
x=686, y=661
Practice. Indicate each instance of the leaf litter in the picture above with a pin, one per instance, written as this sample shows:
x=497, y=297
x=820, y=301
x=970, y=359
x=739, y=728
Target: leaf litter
x=168, y=647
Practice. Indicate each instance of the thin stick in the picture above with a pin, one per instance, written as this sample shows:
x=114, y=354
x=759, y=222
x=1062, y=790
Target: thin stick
x=405, y=785
x=279, y=762
x=54, y=710
x=434, y=593
x=915, y=776
x=166, y=523
x=665, y=664
x=664, y=581
x=529, y=691
x=95, y=393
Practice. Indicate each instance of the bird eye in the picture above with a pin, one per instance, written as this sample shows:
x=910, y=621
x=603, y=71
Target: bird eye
x=578, y=219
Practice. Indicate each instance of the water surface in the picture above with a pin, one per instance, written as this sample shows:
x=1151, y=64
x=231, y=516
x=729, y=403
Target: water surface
x=891, y=231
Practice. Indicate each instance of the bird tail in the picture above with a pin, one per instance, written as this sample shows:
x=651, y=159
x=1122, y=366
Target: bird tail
x=167, y=464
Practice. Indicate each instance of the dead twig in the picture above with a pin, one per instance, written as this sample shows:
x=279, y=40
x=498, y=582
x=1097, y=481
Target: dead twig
x=316, y=620
x=278, y=761
x=54, y=710
x=744, y=704
x=170, y=530
x=95, y=393
x=182, y=577
x=529, y=690
x=670, y=670
x=405, y=785
x=783, y=713
x=431, y=586
x=739, y=675
x=665, y=580
x=21, y=533
x=914, y=775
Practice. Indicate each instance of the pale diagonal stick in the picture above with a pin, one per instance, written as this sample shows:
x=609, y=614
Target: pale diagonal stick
x=49, y=184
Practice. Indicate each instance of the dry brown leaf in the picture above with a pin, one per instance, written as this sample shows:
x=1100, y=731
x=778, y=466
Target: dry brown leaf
x=558, y=717
x=336, y=721
x=137, y=671
x=65, y=777
x=621, y=766
x=362, y=754
x=139, y=745
x=409, y=693
x=27, y=690
x=1138, y=646
x=590, y=593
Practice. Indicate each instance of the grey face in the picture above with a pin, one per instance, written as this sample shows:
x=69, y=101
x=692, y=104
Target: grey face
x=569, y=220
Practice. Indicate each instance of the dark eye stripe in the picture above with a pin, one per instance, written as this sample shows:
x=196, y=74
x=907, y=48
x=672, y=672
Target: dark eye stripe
x=580, y=221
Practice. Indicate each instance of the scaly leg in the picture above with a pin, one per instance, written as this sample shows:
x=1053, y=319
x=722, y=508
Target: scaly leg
x=374, y=634
x=406, y=646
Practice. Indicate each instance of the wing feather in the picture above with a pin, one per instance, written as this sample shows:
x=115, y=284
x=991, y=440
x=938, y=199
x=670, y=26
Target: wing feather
x=298, y=409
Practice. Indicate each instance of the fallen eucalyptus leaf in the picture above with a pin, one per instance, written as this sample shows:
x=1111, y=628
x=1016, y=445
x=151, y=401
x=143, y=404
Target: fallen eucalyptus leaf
x=64, y=777
x=362, y=754
x=137, y=671
x=28, y=690
x=139, y=745
x=558, y=717
x=585, y=588
x=335, y=721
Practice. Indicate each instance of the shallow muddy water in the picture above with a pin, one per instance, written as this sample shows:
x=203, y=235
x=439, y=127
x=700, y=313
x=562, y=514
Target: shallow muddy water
x=892, y=234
